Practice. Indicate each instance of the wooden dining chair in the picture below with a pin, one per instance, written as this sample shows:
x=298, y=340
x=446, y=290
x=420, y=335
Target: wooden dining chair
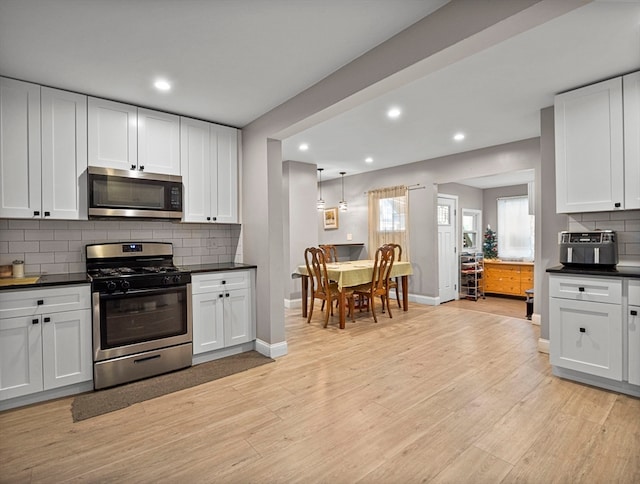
x=321, y=286
x=330, y=252
x=379, y=281
x=395, y=283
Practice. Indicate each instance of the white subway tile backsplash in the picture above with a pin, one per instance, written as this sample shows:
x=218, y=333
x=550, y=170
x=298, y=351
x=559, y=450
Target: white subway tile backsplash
x=24, y=246
x=67, y=234
x=54, y=245
x=38, y=235
x=58, y=246
x=618, y=225
x=626, y=215
x=24, y=224
x=39, y=258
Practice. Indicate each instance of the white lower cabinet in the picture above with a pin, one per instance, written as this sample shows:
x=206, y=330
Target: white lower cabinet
x=594, y=330
x=42, y=344
x=633, y=325
x=223, y=313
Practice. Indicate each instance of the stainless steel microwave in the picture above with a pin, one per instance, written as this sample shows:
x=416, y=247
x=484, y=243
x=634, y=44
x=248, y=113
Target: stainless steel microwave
x=124, y=193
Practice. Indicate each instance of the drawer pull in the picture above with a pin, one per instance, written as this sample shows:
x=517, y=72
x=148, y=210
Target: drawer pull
x=581, y=289
x=47, y=320
x=226, y=295
x=35, y=321
x=583, y=330
x=220, y=295
x=40, y=302
x=633, y=312
x=224, y=282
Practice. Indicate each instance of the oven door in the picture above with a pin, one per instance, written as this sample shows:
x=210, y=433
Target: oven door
x=141, y=320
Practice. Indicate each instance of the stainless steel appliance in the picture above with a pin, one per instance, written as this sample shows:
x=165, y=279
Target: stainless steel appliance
x=142, y=313
x=133, y=193
x=597, y=248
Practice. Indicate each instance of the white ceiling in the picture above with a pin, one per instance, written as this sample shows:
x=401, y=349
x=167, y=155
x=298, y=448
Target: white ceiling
x=232, y=61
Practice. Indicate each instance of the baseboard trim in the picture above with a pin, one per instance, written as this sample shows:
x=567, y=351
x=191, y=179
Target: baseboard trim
x=292, y=303
x=536, y=319
x=426, y=300
x=271, y=350
x=543, y=345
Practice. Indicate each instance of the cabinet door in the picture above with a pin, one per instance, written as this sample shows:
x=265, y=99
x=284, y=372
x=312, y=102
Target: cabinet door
x=208, y=326
x=158, y=142
x=64, y=154
x=589, y=148
x=196, y=167
x=66, y=348
x=113, y=137
x=20, y=356
x=227, y=174
x=237, y=317
x=631, y=94
x=586, y=336
x=634, y=345
x=20, y=165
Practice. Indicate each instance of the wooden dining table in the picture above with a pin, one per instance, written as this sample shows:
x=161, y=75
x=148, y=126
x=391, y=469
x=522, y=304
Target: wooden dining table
x=353, y=273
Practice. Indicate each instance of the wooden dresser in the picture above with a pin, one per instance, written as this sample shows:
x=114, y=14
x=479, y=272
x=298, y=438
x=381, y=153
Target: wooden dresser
x=509, y=278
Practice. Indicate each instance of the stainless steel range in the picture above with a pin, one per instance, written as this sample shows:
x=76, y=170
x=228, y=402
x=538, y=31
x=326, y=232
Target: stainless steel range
x=142, y=321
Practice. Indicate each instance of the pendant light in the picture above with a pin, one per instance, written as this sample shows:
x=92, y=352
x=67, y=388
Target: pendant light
x=320, y=204
x=343, y=202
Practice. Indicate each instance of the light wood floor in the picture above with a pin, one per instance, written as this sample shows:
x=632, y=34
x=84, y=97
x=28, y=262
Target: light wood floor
x=438, y=394
x=503, y=306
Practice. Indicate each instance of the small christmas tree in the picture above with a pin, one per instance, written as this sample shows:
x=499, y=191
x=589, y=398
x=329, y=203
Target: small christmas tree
x=490, y=244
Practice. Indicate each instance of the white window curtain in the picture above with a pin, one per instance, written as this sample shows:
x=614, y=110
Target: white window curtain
x=515, y=229
x=389, y=218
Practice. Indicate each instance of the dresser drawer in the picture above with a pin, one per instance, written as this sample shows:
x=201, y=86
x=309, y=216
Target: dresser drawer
x=31, y=302
x=594, y=289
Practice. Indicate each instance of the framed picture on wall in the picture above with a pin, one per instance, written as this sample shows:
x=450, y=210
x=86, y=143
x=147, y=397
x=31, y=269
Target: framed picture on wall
x=331, y=218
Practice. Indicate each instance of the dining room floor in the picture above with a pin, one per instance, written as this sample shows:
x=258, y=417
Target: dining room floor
x=503, y=306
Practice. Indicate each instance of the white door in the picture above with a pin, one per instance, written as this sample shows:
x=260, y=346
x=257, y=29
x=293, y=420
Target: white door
x=237, y=316
x=208, y=322
x=113, y=134
x=20, y=164
x=227, y=175
x=196, y=166
x=447, y=251
x=66, y=349
x=158, y=142
x=64, y=154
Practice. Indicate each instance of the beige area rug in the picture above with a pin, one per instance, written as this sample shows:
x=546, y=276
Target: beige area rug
x=99, y=402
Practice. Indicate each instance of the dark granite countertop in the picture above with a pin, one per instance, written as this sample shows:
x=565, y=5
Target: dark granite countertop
x=47, y=280
x=217, y=267
x=617, y=271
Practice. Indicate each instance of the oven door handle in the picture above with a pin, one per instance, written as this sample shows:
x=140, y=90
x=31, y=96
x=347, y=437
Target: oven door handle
x=143, y=292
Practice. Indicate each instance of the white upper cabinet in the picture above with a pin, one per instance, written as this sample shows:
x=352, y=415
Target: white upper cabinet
x=125, y=137
x=64, y=154
x=44, y=152
x=20, y=153
x=158, y=142
x=209, y=162
x=631, y=95
x=589, y=148
x=113, y=134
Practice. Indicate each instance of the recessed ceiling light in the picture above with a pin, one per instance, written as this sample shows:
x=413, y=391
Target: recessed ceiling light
x=394, y=113
x=162, y=85
x=303, y=147
x=458, y=136
x=369, y=159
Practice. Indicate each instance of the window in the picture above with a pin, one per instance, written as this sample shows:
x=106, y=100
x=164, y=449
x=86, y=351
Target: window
x=392, y=214
x=515, y=229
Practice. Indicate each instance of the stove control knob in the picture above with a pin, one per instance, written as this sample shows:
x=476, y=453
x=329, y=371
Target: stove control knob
x=125, y=285
x=166, y=280
x=177, y=278
x=111, y=285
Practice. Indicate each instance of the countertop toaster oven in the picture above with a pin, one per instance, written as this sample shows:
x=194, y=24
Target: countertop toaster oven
x=597, y=248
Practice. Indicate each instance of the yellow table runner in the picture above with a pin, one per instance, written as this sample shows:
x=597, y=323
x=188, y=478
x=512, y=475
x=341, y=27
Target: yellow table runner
x=354, y=273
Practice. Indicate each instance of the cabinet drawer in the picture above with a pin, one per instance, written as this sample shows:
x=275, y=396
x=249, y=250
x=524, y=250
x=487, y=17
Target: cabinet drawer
x=634, y=292
x=213, y=281
x=586, y=336
x=39, y=301
x=595, y=289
